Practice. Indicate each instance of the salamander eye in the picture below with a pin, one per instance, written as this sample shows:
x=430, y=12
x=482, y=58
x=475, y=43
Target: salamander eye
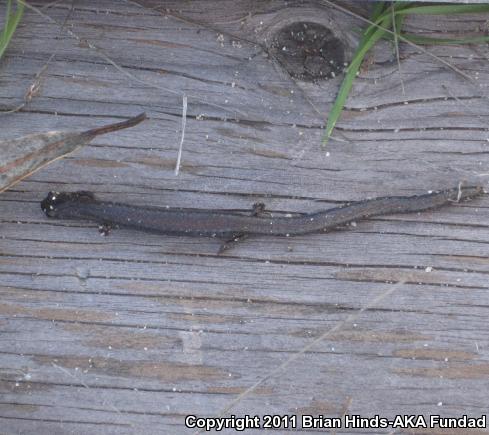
x=52, y=201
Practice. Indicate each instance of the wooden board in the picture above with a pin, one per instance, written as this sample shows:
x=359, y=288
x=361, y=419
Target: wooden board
x=131, y=333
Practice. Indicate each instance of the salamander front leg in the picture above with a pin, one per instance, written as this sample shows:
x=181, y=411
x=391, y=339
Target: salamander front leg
x=104, y=229
x=257, y=209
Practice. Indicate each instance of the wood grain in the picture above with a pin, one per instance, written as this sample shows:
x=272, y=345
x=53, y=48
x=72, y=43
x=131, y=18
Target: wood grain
x=132, y=332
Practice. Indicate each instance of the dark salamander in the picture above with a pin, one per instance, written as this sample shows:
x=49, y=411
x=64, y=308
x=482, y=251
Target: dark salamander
x=179, y=221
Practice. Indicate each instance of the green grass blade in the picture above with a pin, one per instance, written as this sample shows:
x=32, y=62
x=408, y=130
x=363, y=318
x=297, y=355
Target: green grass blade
x=398, y=7
x=7, y=15
x=417, y=39
x=399, y=17
x=378, y=15
x=444, y=9
x=381, y=17
x=11, y=22
x=369, y=40
x=377, y=10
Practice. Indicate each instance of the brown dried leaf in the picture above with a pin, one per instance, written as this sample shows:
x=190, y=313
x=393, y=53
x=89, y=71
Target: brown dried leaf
x=22, y=156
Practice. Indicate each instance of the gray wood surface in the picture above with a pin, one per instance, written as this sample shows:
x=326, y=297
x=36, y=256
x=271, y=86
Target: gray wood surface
x=128, y=334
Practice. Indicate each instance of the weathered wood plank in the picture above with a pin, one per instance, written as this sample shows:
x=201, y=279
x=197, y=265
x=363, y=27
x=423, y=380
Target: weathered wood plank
x=132, y=332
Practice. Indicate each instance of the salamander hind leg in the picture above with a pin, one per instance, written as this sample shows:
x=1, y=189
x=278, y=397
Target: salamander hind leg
x=231, y=242
x=258, y=209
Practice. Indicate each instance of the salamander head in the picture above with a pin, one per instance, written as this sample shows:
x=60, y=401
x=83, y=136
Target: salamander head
x=54, y=200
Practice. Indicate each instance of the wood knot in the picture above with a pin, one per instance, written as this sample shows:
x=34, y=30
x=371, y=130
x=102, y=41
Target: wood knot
x=308, y=51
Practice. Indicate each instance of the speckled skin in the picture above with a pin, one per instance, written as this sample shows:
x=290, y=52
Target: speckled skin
x=84, y=205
